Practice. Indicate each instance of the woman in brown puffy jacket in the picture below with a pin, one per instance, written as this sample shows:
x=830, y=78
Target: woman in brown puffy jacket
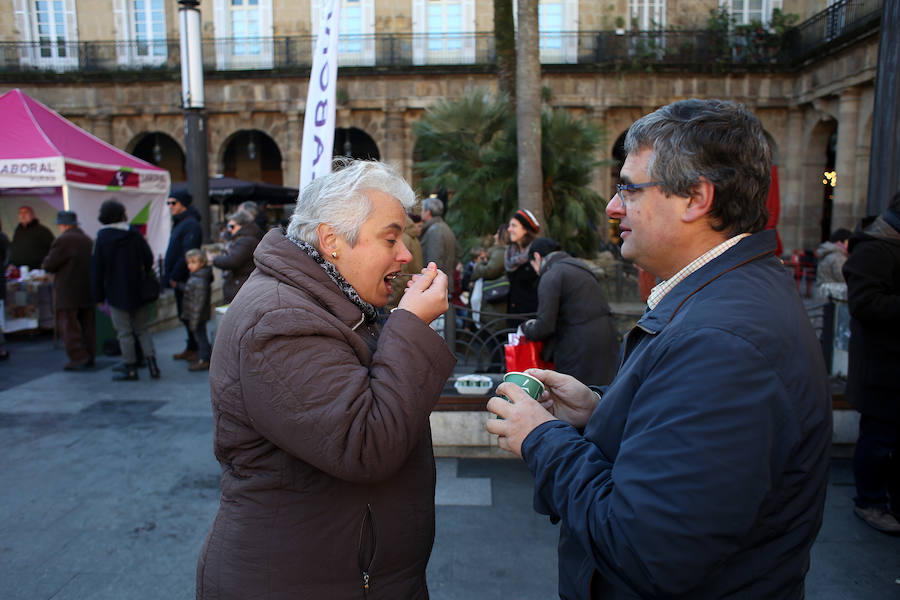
x=321, y=416
x=237, y=260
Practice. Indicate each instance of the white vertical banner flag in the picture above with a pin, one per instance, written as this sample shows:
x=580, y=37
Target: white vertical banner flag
x=318, y=122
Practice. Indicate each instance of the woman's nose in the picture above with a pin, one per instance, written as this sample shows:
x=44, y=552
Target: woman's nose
x=404, y=255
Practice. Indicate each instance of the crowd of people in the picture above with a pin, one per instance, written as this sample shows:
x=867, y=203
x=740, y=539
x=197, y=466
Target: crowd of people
x=116, y=273
x=692, y=462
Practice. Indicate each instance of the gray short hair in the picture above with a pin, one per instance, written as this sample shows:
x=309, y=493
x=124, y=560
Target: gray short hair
x=339, y=199
x=249, y=206
x=716, y=139
x=434, y=206
x=241, y=217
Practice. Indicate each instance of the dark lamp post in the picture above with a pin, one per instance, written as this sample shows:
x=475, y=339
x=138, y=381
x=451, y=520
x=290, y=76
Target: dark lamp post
x=193, y=103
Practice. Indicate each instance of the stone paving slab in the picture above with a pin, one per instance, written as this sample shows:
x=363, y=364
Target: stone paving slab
x=107, y=490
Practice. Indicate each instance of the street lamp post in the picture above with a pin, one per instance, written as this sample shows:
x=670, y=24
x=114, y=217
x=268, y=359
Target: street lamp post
x=193, y=103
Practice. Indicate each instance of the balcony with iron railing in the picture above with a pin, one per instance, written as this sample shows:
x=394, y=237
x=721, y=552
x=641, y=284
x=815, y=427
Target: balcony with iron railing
x=707, y=50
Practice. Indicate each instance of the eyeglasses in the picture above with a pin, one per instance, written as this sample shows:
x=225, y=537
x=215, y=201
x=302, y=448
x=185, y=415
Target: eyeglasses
x=625, y=189
x=170, y=203
x=230, y=226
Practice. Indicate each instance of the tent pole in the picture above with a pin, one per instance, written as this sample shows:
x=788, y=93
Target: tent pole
x=65, y=191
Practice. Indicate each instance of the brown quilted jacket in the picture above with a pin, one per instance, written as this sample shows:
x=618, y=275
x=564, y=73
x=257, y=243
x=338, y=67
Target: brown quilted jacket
x=322, y=431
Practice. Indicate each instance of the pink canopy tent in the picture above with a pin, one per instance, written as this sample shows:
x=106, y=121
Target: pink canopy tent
x=51, y=164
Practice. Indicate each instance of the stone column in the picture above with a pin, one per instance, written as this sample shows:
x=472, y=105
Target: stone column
x=102, y=127
x=790, y=182
x=845, y=160
x=290, y=158
x=395, y=152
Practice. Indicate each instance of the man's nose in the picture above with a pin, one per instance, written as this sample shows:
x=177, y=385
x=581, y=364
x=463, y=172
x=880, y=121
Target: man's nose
x=615, y=208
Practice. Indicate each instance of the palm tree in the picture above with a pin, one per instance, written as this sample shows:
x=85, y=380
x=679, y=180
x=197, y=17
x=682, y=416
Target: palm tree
x=505, y=47
x=528, y=107
x=469, y=148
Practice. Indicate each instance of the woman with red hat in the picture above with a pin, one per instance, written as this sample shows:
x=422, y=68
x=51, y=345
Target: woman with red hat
x=523, y=280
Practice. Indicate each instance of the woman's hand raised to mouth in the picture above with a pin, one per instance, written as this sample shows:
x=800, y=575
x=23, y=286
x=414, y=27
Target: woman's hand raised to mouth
x=426, y=294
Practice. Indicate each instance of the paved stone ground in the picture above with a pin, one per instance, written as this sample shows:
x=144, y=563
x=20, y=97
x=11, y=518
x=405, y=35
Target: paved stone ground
x=107, y=490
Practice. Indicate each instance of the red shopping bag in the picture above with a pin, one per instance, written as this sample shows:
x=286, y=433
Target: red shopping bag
x=524, y=354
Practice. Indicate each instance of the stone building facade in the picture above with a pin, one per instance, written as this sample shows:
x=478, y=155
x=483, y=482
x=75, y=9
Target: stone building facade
x=818, y=115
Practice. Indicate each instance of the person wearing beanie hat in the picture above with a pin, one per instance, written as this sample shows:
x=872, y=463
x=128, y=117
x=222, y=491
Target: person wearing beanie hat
x=187, y=234
x=528, y=220
x=523, y=279
x=69, y=259
x=573, y=317
x=182, y=195
x=872, y=271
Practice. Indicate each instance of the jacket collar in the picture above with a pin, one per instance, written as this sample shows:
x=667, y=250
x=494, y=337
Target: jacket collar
x=755, y=247
x=278, y=257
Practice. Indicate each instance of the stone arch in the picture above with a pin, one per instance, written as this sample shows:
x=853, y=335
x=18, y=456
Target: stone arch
x=815, y=206
x=250, y=154
x=162, y=150
x=355, y=143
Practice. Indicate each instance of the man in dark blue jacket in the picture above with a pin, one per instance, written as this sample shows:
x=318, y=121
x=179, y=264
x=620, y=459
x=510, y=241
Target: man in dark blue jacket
x=700, y=471
x=186, y=235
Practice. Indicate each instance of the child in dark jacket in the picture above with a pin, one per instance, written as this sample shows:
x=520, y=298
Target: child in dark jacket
x=195, y=306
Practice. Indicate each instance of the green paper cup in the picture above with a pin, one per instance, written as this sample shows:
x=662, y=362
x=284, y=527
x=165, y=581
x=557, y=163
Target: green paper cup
x=528, y=383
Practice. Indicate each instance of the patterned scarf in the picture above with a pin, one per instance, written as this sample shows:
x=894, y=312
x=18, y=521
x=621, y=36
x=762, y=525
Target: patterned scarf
x=369, y=311
x=515, y=257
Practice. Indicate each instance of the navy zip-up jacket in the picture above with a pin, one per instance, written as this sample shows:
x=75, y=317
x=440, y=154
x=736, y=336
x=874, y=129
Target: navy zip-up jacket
x=702, y=472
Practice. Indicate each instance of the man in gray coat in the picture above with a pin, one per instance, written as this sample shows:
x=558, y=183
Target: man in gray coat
x=437, y=239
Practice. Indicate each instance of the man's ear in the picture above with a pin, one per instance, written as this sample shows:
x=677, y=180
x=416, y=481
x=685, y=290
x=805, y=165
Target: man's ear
x=700, y=202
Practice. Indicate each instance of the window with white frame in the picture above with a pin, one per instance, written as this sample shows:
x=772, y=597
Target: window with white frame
x=558, y=27
x=745, y=12
x=149, y=28
x=648, y=15
x=243, y=34
x=443, y=31
x=356, y=33
x=557, y=30
x=50, y=27
x=141, y=27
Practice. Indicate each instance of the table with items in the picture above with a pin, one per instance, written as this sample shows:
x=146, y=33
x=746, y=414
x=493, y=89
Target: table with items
x=29, y=303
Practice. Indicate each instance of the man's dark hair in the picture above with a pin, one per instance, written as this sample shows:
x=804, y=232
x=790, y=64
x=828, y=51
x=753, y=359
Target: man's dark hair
x=715, y=139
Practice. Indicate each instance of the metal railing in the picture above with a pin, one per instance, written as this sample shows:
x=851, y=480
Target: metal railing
x=700, y=50
x=841, y=22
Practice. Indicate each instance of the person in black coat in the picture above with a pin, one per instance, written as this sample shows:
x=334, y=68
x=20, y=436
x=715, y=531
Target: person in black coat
x=573, y=318
x=187, y=234
x=31, y=240
x=523, y=279
x=120, y=260
x=872, y=271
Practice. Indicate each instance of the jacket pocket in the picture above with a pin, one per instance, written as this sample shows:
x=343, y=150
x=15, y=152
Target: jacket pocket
x=366, y=549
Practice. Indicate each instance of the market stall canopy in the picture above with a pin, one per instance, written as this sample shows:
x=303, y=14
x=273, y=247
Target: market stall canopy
x=228, y=190
x=45, y=156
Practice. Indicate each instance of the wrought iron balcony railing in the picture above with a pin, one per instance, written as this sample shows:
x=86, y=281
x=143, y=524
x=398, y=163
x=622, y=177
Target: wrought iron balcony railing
x=702, y=50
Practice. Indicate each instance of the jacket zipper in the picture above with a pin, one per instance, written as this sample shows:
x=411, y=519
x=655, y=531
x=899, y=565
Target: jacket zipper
x=368, y=519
